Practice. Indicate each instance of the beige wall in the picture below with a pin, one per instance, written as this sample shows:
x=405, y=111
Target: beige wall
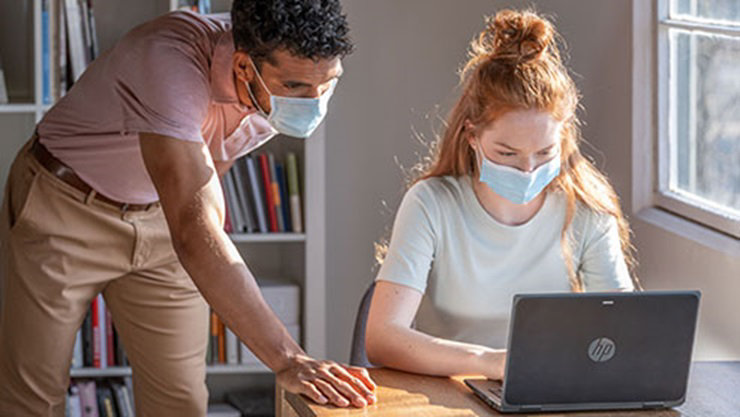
x=407, y=54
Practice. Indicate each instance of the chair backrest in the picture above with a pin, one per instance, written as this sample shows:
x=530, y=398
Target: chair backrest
x=358, y=355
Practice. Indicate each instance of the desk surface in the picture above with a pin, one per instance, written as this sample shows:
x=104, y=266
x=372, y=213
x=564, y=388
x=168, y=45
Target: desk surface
x=714, y=389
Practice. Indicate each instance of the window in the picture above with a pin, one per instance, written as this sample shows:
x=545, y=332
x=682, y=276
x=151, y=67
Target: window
x=698, y=104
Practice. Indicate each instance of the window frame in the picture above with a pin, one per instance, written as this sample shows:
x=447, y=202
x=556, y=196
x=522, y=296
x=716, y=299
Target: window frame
x=651, y=130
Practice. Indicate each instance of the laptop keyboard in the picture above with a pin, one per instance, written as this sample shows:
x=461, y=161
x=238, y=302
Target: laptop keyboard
x=496, y=390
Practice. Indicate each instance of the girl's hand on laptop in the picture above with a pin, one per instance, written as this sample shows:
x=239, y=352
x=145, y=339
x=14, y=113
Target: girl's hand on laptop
x=493, y=364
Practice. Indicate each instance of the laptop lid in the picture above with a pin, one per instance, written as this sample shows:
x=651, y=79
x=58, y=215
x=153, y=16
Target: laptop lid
x=600, y=350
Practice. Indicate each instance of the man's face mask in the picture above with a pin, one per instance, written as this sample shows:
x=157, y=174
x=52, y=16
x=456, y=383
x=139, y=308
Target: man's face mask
x=292, y=116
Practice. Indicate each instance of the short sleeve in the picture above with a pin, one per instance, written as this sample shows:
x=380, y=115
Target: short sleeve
x=412, y=245
x=603, y=266
x=163, y=86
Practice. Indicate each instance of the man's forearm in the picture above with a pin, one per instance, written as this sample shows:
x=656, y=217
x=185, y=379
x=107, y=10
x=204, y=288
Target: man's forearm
x=218, y=271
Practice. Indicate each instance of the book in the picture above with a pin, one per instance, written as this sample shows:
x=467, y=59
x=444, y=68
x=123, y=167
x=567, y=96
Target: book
x=74, y=407
x=129, y=383
x=100, y=350
x=284, y=204
x=237, y=219
x=296, y=215
x=109, y=346
x=241, y=182
x=46, y=36
x=124, y=405
x=98, y=321
x=87, y=339
x=76, y=37
x=267, y=187
x=259, y=205
x=93, y=32
x=77, y=355
x=88, y=398
x=121, y=358
x=106, y=405
x=276, y=193
x=3, y=88
x=214, y=338
x=221, y=341
x=232, y=347
x=62, y=67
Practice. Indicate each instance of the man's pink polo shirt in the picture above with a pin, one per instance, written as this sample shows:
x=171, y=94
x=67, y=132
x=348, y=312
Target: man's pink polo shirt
x=171, y=76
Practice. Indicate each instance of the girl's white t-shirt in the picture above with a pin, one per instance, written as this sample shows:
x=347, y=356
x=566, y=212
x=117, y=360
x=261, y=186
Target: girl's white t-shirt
x=469, y=266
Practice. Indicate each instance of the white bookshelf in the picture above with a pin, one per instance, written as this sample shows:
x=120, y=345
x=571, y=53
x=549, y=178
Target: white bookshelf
x=296, y=257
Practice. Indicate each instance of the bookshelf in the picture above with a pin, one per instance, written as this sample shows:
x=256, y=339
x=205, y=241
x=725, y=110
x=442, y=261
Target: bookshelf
x=298, y=258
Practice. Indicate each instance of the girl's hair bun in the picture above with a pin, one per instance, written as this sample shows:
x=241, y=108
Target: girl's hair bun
x=515, y=37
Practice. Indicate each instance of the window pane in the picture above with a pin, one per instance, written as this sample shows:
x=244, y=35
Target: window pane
x=705, y=102
x=726, y=11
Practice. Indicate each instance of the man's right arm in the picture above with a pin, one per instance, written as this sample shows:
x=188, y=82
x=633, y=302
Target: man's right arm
x=191, y=197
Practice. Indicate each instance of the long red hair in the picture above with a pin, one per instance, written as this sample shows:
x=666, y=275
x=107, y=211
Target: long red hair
x=515, y=64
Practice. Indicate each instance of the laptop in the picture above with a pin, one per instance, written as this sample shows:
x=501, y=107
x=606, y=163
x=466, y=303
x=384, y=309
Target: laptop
x=595, y=351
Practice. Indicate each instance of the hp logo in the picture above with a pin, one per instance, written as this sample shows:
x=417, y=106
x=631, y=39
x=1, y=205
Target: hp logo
x=602, y=349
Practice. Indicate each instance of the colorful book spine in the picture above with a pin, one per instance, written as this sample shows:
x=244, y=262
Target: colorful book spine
x=269, y=198
x=284, y=203
x=259, y=205
x=98, y=321
x=46, y=51
x=88, y=398
x=296, y=215
x=277, y=204
x=221, y=342
x=74, y=407
x=106, y=407
x=214, y=337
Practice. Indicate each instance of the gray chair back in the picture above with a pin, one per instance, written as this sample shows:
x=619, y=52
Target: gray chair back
x=358, y=355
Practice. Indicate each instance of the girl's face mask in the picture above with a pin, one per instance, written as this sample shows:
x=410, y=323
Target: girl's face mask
x=515, y=185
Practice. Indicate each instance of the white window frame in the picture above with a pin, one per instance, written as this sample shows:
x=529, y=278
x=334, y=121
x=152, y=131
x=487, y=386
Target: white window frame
x=678, y=212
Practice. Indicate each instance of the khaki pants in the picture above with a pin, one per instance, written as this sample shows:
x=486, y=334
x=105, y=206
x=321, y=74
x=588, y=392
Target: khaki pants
x=59, y=248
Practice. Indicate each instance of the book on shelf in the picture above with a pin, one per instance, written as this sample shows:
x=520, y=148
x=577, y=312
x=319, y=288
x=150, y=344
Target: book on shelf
x=73, y=407
x=283, y=297
x=244, y=196
x=106, y=406
x=296, y=213
x=275, y=189
x=269, y=198
x=3, y=87
x=103, y=398
x=257, y=194
x=262, y=195
x=88, y=398
x=198, y=6
x=97, y=343
x=283, y=192
x=80, y=34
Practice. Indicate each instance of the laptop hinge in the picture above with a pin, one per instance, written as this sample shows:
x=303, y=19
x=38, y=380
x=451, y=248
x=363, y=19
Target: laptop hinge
x=655, y=404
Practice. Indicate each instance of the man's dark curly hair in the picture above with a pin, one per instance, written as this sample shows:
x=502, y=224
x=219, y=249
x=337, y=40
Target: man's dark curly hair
x=314, y=29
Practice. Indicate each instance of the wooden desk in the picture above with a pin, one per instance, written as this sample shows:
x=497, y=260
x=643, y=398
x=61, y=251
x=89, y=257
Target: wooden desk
x=714, y=390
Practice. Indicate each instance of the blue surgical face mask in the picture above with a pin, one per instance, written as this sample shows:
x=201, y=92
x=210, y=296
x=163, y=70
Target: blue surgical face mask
x=515, y=185
x=293, y=116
